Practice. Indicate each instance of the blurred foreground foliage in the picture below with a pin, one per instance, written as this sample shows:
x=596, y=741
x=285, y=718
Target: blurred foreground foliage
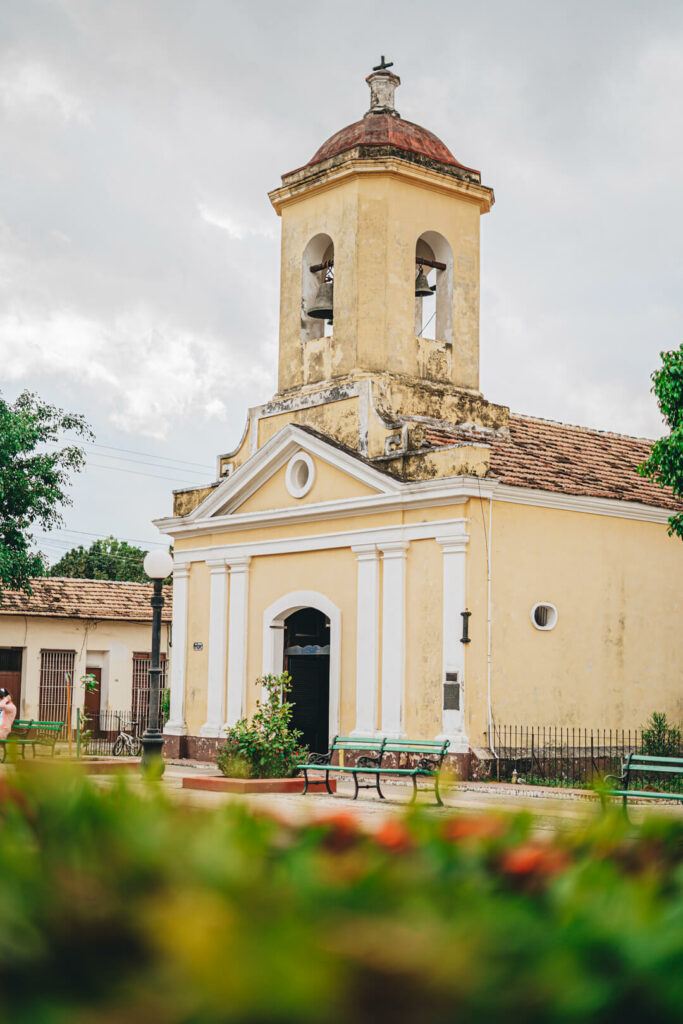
x=117, y=906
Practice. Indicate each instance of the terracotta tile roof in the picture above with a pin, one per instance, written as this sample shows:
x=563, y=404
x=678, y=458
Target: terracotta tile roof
x=553, y=456
x=86, y=599
x=387, y=130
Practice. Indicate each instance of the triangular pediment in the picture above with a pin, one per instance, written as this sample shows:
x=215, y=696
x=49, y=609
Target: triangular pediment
x=295, y=468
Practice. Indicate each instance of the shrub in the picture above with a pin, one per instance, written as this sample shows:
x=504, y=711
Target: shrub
x=660, y=738
x=266, y=747
x=122, y=906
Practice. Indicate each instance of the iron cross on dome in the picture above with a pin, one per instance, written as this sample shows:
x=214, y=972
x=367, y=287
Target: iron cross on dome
x=382, y=66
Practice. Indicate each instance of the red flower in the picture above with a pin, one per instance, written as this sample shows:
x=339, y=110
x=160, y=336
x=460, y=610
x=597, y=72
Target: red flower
x=484, y=826
x=533, y=858
x=394, y=836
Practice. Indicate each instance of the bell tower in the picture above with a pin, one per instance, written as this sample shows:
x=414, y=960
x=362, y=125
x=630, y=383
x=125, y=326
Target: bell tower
x=379, y=300
x=383, y=222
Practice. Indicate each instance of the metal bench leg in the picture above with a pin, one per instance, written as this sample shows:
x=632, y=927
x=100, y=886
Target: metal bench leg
x=378, y=789
x=305, y=789
x=355, y=782
x=327, y=782
x=414, y=796
x=436, y=791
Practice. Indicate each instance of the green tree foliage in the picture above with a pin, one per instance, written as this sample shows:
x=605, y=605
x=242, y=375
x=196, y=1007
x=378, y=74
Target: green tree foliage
x=33, y=480
x=122, y=906
x=665, y=464
x=266, y=747
x=108, y=559
x=660, y=737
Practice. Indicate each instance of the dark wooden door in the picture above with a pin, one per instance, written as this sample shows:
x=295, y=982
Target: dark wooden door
x=93, y=700
x=311, y=698
x=10, y=673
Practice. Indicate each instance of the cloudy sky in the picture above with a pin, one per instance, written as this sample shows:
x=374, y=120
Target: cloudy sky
x=139, y=254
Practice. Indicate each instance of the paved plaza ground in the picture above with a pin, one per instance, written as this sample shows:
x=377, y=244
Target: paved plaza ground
x=553, y=808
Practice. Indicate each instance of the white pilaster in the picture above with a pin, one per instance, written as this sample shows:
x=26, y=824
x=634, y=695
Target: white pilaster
x=453, y=657
x=237, y=639
x=367, y=640
x=218, y=641
x=393, y=637
x=176, y=725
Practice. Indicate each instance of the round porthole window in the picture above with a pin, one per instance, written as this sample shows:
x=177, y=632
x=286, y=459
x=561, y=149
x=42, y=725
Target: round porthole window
x=544, y=615
x=300, y=475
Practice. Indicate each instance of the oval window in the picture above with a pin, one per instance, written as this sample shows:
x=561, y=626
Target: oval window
x=300, y=475
x=544, y=615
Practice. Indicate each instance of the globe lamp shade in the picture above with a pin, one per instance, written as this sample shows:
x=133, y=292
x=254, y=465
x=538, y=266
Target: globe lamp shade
x=158, y=564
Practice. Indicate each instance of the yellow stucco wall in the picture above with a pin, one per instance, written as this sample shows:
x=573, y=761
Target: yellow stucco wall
x=108, y=645
x=375, y=220
x=330, y=484
x=615, y=654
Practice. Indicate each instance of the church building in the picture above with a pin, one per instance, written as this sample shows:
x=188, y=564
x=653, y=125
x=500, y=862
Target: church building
x=425, y=563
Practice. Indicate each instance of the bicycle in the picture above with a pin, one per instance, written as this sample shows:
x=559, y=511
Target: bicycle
x=126, y=742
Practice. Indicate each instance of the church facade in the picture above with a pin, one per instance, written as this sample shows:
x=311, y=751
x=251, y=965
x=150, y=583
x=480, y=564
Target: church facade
x=423, y=562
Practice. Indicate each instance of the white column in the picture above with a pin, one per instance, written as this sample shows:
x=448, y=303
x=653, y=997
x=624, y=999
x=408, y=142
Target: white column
x=393, y=637
x=218, y=642
x=453, y=658
x=176, y=725
x=367, y=640
x=237, y=639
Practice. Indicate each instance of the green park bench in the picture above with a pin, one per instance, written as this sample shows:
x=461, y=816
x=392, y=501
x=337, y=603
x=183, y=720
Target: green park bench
x=632, y=771
x=31, y=732
x=372, y=763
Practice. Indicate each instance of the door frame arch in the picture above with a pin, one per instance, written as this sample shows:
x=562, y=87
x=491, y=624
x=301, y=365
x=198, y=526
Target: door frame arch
x=274, y=640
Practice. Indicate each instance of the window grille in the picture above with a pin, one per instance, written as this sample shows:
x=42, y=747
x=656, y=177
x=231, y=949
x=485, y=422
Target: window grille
x=140, y=701
x=10, y=659
x=56, y=670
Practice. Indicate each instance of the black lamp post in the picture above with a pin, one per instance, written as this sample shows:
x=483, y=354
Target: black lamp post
x=158, y=565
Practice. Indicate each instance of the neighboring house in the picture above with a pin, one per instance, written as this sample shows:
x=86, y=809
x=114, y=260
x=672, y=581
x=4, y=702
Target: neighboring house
x=69, y=627
x=422, y=561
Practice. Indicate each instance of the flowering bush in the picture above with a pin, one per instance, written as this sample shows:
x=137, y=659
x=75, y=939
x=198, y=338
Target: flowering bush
x=120, y=906
x=266, y=747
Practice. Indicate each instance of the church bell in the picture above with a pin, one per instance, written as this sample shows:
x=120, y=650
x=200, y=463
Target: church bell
x=323, y=304
x=422, y=285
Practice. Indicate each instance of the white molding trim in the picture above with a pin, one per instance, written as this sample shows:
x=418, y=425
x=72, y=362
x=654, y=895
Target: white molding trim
x=238, y=636
x=218, y=644
x=379, y=535
x=582, y=503
x=176, y=725
x=273, y=640
x=395, y=558
x=367, y=639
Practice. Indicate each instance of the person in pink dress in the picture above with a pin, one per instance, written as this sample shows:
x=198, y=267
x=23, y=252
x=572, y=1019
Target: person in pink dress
x=8, y=713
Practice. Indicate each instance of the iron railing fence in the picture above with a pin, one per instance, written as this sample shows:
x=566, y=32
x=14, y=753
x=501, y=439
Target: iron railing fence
x=96, y=735
x=576, y=757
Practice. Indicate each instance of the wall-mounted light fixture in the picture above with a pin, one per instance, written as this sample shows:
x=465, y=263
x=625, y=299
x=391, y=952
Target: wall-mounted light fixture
x=465, y=638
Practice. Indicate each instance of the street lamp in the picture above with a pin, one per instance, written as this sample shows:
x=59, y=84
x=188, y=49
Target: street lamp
x=158, y=565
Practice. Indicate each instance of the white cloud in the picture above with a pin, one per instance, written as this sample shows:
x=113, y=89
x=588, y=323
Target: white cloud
x=148, y=375
x=235, y=228
x=33, y=86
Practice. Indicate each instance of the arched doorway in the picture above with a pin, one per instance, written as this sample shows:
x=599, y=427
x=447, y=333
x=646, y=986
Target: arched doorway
x=307, y=659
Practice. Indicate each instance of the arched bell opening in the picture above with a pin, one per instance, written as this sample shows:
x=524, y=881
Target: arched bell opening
x=317, y=288
x=307, y=659
x=434, y=288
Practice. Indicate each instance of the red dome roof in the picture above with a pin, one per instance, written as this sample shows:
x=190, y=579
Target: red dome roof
x=387, y=130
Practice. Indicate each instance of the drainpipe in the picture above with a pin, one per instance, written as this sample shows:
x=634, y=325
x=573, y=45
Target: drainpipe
x=488, y=645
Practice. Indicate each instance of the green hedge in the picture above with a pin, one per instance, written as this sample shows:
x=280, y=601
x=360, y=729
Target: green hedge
x=118, y=907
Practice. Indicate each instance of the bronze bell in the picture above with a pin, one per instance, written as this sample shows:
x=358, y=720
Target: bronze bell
x=323, y=304
x=422, y=285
